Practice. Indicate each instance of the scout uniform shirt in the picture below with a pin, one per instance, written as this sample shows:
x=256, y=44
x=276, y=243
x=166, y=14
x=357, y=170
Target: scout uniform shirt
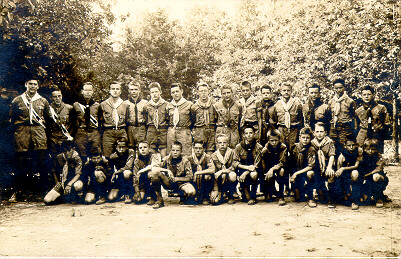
x=342, y=109
x=223, y=162
x=115, y=115
x=204, y=114
x=60, y=127
x=250, y=109
x=205, y=162
x=316, y=111
x=141, y=162
x=179, y=114
x=71, y=165
x=247, y=154
x=303, y=156
x=288, y=114
x=86, y=115
x=136, y=114
x=325, y=149
x=273, y=156
x=375, y=113
x=228, y=114
x=156, y=114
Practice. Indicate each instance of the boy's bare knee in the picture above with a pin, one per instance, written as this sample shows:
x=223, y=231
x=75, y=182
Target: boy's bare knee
x=354, y=175
x=281, y=172
x=208, y=178
x=253, y=175
x=100, y=177
x=127, y=174
x=189, y=190
x=113, y=194
x=232, y=177
x=90, y=197
x=377, y=178
x=78, y=185
x=310, y=174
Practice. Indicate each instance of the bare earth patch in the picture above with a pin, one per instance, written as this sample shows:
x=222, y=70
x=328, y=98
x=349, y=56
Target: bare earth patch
x=238, y=230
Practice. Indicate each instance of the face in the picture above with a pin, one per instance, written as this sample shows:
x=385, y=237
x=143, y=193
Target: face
x=133, y=91
x=175, y=151
x=227, y=94
x=32, y=86
x=87, y=91
x=57, y=97
x=198, y=149
x=222, y=144
x=320, y=133
x=246, y=91
x=266, y=94
x=367, y=96
x=121, y=147
x=304, y=139
x=286, y=92
x=143, y=149
x=339, y=89
x=115, y=90
x=203, y=92
x=370, y=150
x=96, y=159
x=176, y=93
x=273, y=141
x=350, y=145
x=314, y=93
x=155, y=94
x=248, y=135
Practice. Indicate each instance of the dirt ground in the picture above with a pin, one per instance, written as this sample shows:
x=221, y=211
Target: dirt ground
x=32, y=229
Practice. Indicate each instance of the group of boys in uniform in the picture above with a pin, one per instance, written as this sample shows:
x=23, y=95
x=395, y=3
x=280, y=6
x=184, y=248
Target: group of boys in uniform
x=206, y=152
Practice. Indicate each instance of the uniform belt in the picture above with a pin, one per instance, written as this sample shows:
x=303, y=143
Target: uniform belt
x=291, y=126
x=87, y=129
x=133, y=125
x=207, y=127
x=180, y=127
x=115, y=128
x=160, y=127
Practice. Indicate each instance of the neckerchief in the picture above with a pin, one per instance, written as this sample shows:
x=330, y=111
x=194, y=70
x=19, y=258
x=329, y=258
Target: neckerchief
x=159, y=103
x=205, y=107
x=337, y=106
x=228, y=106
x=33, y=115
x=249, y=148
x=85, y=108
x=176, y=113
x=56, y=118
x=114, y=106
x=144, y=159
x=197, y=161
x=224, y=160
x=320, y=154
x=287, y=106
x=369, y=115
x=245, y=105
x=301, y=154
x=135, y=102
x=312, y=108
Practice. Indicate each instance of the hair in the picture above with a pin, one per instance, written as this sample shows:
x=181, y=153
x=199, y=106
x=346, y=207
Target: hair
x=95, y=152
x=144, y=142
x=286, y=84
x=351, y=137
x=307, y=131
x=198, y=141
x=86, y=83
x=176, y=143
x=121, y=140
x=266, y=87
x=135, y=83
x=368, y=88
x=314, y=86
x=202, y=84
x=273, y=133
x=247, y=126
x=246, y=84
x=221, y=135
x=339, y=80
x=176, y=85
x=227, y=87
x=35, y=78
x=54, y=88
x=155, y=85
x=68, y=145
x=320, y=124
x=115, y=83
x=370, y=143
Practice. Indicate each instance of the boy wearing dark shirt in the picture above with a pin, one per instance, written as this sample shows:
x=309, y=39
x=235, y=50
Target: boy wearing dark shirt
x=304, y=156
x=266, y=108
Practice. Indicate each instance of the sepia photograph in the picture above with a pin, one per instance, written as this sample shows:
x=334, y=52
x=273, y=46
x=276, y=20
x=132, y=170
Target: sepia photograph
x=200, y=128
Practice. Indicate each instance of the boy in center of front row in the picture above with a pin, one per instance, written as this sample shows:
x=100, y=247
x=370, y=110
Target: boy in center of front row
x=273, y=162
x=303, y=156
x=247, y=162
x=174, y=173
x=326, y=152
x=203, y=171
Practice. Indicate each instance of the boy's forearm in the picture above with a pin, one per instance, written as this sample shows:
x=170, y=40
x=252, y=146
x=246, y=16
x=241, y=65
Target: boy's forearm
x=331, y=162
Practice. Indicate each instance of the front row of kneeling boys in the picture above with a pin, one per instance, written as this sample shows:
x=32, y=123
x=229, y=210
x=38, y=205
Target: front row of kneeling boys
x=355, y=177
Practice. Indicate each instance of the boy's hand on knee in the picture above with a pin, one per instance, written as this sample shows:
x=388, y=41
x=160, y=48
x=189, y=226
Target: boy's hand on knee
x=339, y=172
x=241, y=179
x=67, y=189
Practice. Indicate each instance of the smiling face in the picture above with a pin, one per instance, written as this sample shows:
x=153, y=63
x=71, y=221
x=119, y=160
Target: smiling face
x=155, y=94
x=286, y=92
x=176, y=93
x=32, y=87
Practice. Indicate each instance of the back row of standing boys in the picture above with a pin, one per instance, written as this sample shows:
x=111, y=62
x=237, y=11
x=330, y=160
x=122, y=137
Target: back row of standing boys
x=203, y=150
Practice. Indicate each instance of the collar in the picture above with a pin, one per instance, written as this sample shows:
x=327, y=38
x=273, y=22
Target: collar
x=158, y=104
x=204, y=105
x=113, y=105
x=81, y=100
x=34, y=98
x=228, y=104
x=179, y=103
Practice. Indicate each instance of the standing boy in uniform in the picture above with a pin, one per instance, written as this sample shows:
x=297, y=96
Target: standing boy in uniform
x=273, y=161
x=266, y=109
x=205, y=119
x=203, y=170
x=228, y=116
x=225, y=178
x=29, y=112
x=247, y=162
x=121, y=163
x=287, y=116
x=174, y=173
x=155, y=113
x=373, y=119
x=251, y=109
x=343, y=115
x=136, y=121
x=180, y=120
x=326, y=152
x=315, y=110
x=85, y=122
x=115, y=114
x=303, y=156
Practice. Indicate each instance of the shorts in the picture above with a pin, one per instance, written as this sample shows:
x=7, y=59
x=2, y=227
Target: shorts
x=182, y=135
x=136, y=135
x=86, y=141
x=157, y=138
x=340, y=133
x=289, y=136
x=207, y=136
x=232, y=134
x=30, y=138
x=363, y=135
x=110, y=137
